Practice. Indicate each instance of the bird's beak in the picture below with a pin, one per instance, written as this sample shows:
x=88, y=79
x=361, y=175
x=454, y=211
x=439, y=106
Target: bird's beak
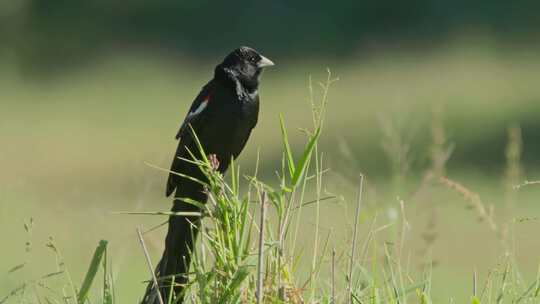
x=265, y=62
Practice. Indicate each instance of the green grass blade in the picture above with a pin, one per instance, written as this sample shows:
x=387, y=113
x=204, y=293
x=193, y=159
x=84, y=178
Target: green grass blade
x=302, y=164
x=525, y=294
x=92, y=271
x=171, y=294
x=233, y=288
x=107, y=278
x=204, y=157
x=234, y=180
x=166, y=213
x=287, y=147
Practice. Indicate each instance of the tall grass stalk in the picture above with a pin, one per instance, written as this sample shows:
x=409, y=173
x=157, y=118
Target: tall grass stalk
x=150, y=267
x=355, y=234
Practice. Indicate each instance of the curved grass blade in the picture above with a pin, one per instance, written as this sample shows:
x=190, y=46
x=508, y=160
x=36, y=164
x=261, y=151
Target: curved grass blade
x=287, y=147
x=92, y=270
x=302, y=164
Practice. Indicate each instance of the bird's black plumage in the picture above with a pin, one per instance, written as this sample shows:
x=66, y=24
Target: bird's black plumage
x=222, y=117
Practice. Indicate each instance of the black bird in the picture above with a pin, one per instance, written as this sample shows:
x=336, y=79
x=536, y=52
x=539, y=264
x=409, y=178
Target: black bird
x=222, y=117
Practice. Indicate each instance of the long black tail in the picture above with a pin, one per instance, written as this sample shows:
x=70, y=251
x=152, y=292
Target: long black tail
x=179, y=243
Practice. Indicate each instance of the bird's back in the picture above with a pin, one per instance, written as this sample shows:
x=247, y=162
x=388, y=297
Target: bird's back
x=222, y=129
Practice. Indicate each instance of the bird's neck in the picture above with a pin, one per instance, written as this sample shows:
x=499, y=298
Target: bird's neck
x=231, y=79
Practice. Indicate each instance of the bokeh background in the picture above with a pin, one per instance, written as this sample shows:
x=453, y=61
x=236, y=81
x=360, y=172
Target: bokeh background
x=91, y=91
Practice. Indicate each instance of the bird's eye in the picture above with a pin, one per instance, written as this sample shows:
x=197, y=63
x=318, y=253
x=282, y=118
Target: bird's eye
x=252, y=59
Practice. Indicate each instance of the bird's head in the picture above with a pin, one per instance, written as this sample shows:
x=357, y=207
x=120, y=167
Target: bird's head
x=246, y=65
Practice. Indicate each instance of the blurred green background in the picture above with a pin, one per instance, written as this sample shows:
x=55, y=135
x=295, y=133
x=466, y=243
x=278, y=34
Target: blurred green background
x=91, y=91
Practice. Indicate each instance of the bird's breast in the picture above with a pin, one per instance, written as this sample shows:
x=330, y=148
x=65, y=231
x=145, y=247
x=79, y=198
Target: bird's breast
x=229, y=122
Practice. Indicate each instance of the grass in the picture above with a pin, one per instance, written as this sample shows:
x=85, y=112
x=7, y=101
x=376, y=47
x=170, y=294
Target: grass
x=76, y=162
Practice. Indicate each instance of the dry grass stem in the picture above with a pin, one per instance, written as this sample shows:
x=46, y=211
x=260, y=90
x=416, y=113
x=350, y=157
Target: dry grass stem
x=474, y=201
x=150, y=266
x=261, y=249
x=355, y=234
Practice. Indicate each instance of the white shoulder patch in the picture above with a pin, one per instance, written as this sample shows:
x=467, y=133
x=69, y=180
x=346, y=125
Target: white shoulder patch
x=199, y=109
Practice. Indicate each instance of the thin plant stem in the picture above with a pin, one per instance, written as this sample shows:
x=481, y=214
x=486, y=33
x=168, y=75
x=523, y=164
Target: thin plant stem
x=149, y=263
x=355, y=233
x=333, y=276
x=261, y=250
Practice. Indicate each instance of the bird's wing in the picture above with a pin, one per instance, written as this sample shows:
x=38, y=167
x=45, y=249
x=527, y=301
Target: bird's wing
x=196, y=110
x=194, y=118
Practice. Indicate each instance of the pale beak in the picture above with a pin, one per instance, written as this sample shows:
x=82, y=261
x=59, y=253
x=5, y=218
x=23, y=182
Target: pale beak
x=264, y=62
